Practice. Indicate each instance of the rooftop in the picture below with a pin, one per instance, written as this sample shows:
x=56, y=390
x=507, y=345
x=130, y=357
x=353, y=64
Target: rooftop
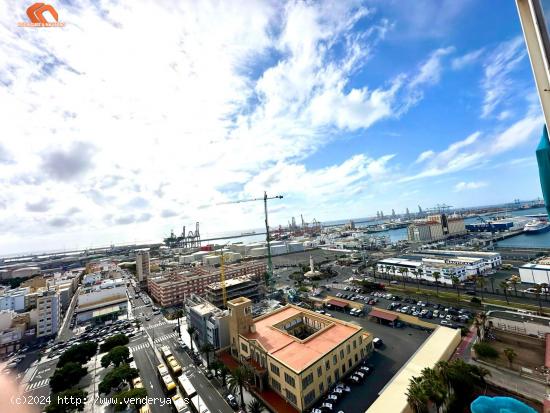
x=293, y=352
x=519, y=317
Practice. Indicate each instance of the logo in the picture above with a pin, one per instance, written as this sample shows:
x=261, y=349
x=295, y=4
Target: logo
x=37, y=18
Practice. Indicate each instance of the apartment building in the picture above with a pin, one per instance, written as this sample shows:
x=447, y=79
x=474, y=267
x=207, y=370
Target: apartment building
x=298, y=353
x=172, y=288
x=49, y=313
x=14, y=298
x=143, y=264
x=234, y=288
x=211, y=323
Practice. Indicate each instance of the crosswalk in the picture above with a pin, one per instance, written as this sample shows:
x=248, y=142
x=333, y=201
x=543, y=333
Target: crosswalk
x=36, y=385
x=159, y=324
x=165, y=337
x=140, y=346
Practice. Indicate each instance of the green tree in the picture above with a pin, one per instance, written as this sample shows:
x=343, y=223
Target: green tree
x=436, y=275
x=504, y=286
x=238, y=380
x=79, y=353
x=67, y=376
x=114, y=341
x=485, y=350
x=115, y=377
x=514, y=280
x=191, y=331
x=510, y=355
x=416, y=396
x=206, y=349
x=117, y=355
x=481, y=282
x=136, y=394
x=456, y=282
x=255, y=406
x=402, y=271
x=77, y=406
x=224, y=372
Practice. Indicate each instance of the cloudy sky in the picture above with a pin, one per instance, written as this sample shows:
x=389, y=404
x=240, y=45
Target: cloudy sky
x=140, y=116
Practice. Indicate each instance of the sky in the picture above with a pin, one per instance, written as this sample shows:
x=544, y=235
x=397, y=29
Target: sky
x=138, y=117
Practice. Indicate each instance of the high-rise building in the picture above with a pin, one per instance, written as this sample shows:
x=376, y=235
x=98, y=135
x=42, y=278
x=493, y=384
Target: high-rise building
x=143, y=264
x=49, y=313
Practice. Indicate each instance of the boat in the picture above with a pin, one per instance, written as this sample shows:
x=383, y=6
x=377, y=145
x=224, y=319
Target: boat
x=536, y=227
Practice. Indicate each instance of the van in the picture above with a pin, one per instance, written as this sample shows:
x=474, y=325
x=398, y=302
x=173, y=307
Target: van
x=377, y=342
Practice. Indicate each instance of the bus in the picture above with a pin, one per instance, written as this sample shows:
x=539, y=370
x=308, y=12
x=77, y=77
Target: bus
x=186, y=386
x=179, y=404
x=199, y=405
x=170, y=360
x=166, y=379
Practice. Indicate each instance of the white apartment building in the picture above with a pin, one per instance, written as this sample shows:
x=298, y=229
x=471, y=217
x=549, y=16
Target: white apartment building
x=49, y=313
x=13, y=298
x=143, y=264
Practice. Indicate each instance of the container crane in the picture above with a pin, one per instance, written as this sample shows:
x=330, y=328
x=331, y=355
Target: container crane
x=491, y=228
x=269, y=273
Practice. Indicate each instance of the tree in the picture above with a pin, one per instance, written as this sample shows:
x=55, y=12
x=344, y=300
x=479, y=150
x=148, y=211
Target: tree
x=67, y=376
x=545, y=286
x=485, y=350
x=456, y=282
x=481, y=282
x=114, y=341
x=492, y=279
x=402, y=271
x=137, y=323
x=238, y=379
x=77, y=406
x=136, y=394
x=191, y=331
x=206, y=349
x=504, y=286
x=436, y=275
x=117, y=355
x=123, y=373
x=255, y=406
x=224, y=371
x=416, y=396
x=510, y=355
x=79, y=353
x=514, y=281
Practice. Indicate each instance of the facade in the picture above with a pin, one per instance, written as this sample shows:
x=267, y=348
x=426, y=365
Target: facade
x=435, y=228
x=533, y=273
x=297, y=353
x=235, y=287
x=13, y=298
x=211, y=323
x=490, y=259
x=425, y=267
x=519, y=322
x=106, y=298
x=173, y=288
x=49, y=313
x=143, y=264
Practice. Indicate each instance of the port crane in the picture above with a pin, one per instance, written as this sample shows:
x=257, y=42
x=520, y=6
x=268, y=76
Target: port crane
x=491, y=228
x=265, y=198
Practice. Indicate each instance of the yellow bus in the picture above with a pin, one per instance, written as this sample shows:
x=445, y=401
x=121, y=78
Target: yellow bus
x=170, y=360
x=164, y=376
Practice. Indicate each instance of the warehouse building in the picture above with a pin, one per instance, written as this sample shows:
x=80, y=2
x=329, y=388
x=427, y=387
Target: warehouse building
x=297, y=353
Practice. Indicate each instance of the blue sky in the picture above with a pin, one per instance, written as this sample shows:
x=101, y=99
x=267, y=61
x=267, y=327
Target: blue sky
x=116, y=133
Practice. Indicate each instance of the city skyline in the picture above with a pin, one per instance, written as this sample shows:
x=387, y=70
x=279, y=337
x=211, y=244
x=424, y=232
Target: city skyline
x=113, y=132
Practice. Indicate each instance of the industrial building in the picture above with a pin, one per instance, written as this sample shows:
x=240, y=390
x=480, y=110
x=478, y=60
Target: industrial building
x=173, y=288
x=235, y=287
x=535, y=273
x=211, y=324
x=143, y=264
x=297, y=353
x=435, y=228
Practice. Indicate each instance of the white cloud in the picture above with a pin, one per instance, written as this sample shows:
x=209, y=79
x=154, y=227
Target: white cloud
x=425, y=156
x=496, y=83
x=464, y=186
x=467, y=59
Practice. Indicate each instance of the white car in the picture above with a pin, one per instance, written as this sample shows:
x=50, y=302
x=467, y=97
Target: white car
x=332, y=398
x=327, y=406
x=343, y=387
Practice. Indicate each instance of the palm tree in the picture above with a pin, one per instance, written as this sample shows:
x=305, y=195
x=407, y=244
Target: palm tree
x=492, y=279
x=206, y=349
x=545, y=286
x=255, y=406
x=191, y=331
x=510, y=355
x=436, y=275
x=434, y=387
x=538, y=291
x=419, y=272
x=224, y=371
x=514, y=281
x=237, y=380
x=416, y=396
x=480, y=281
x=456, y=282
x=402, y=271
x=504, y=286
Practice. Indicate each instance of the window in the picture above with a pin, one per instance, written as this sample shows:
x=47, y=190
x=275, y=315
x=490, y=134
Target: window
x=335, y=359
x=275, y=384
x=274, y=369
x=327, y=365
x=337, y=375
x=356, y=358
x=342, y=354
x=290, y=397
x=348, y=349
x=244, y=347
x=290, y=380
x=349, y=362
x=321, y=387
x=319, y=371
x=308, y=398
x=354, y=344
x=306, y=381
x=343, y=369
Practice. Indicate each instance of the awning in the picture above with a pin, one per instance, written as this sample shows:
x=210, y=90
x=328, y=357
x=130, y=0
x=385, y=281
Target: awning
x=337, y=303
x=383, y=315
x=106, y=311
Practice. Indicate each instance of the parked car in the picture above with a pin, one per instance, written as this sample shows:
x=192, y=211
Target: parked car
x=377, y=342
x=232, y=401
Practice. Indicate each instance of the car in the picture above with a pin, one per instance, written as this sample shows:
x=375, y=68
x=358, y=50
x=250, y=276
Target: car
x=354, y=379
x=343, y=387
x=393, y=282
x=327, y=406
x=377, y=342
x=209, y=375
x=147, y=318
x=332, y=398
x=338, y=391
x=365, y=370
x=360, y=374
x=316, y=411
x=446, y=323
x=232, y=401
